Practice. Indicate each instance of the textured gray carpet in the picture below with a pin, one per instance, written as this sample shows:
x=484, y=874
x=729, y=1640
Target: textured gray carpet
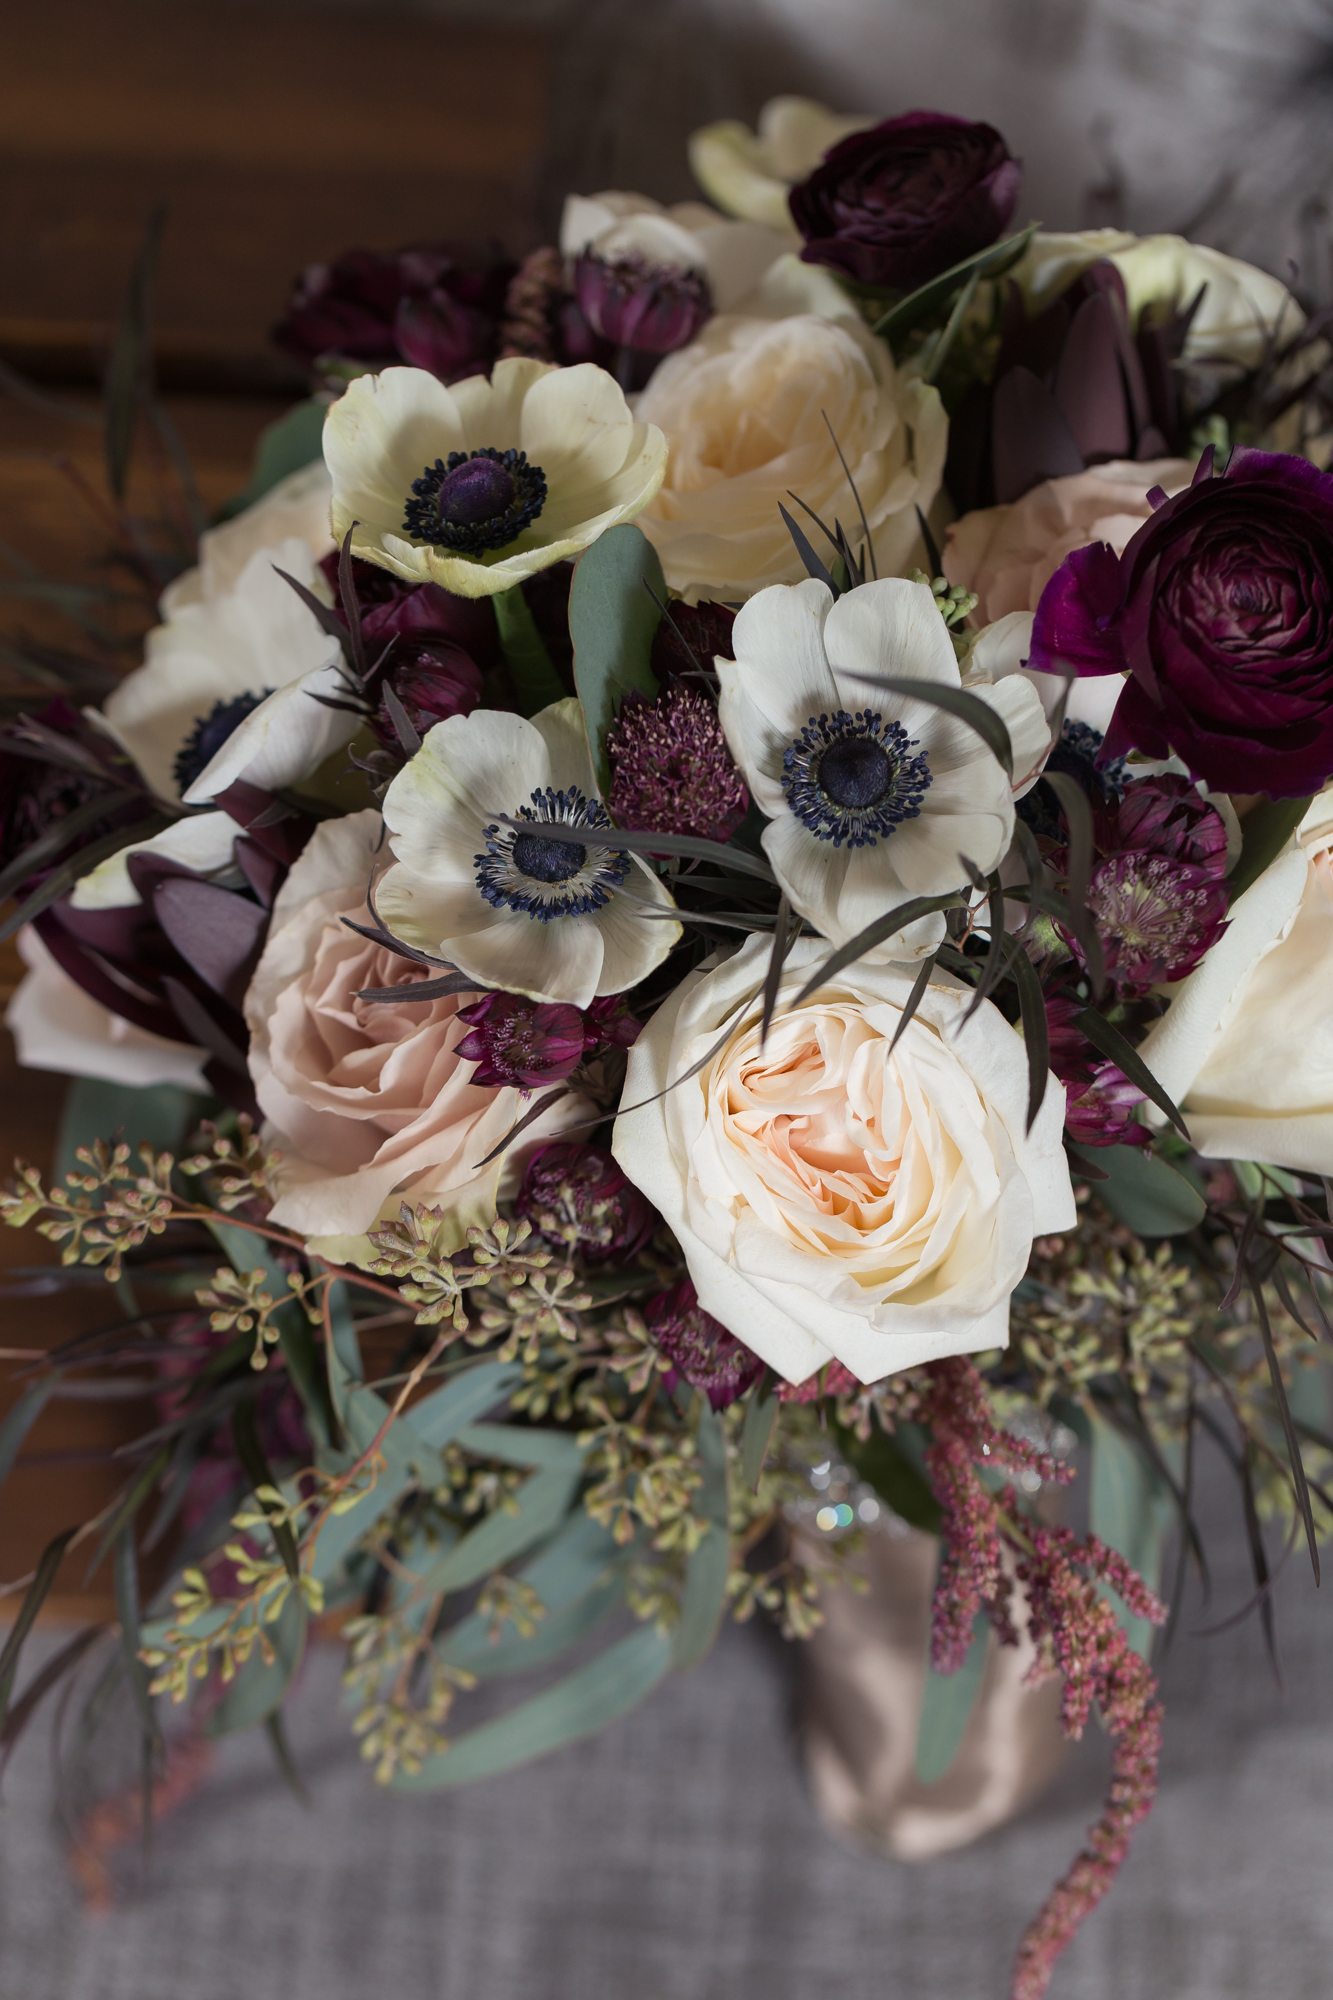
x=677, y=1858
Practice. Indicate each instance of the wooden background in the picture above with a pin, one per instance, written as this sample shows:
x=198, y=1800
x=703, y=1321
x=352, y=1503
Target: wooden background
x=275, y=139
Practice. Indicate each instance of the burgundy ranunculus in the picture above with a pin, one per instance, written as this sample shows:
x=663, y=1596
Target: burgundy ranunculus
x=896, y=205
x=576, y=1197
x=436, y=306
x=1220, y=611
x=698, y=1347
x=651, y=308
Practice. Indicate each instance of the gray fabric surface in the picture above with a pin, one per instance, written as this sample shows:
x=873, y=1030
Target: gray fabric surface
x=677, y=1857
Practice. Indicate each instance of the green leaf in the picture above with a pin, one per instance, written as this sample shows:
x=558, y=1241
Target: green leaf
x=160, y=1117
x=540, y=1506
x=362, y=1412
x=936, y=353
x=259, y=1686
x=576, y=1578
x=890, y=1465
x=1131, y=1511
x=1264, y=832
x=20, y=1418
x=129, y=365
x=531, y=670
x=294, y=440
x=615, y=605
x=907, y=313
x=585, y=1701
x=706, y=1572
x=761, y=1414
x=1146, y=1194
x=48, y=1568
x=947, y=1701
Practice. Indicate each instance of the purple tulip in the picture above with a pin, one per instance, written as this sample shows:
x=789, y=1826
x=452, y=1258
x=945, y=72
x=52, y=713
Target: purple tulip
x=698, y=1347
x=651, y=308
x=1220, y=611
x=897, y=205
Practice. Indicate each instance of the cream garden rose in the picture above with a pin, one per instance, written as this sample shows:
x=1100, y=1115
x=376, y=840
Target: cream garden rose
x=1246, y=1046
x=366, y=1102
x=836, y=1198
x=751, y=411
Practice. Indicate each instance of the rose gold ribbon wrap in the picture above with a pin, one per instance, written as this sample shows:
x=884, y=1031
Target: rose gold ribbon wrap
x=864, y=1673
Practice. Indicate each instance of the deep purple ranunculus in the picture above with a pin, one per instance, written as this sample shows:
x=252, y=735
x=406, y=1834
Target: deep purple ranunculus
x=1220, y=611
x=576, y=1197
x=436, y=306
x=896, y=205
x=425, y=643
x=698, y=1347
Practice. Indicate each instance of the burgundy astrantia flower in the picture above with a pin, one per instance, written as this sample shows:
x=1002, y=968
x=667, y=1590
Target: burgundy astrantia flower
x=631, y=303
x=577, y=1198
x=531, y=1043
x=1101, y=1104
x=1220, y=611
x=436, y=306
x=698, y=1347
x=898, y=204
x=1157, y=893
x=671, y=770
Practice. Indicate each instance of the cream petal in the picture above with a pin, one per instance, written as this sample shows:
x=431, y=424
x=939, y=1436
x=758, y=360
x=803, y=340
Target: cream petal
x=888, y=629
x=57, y=1026
x=378, y=437
x=469, y=768
x=203, y=842
x=284, y=740
x=779, y=659
x=637, y=935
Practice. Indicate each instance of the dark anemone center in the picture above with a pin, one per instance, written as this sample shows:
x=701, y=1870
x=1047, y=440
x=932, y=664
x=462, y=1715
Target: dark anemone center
x=475, y=491
x=209, y=734
x=473, y=501
x=547, y=860
x=855, y=771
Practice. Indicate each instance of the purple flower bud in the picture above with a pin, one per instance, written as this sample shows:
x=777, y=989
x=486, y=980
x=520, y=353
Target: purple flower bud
x=1101, y=1104
x=522, y=1043
x=608, y=1024
x=652, y=308
x=577, y=1198
x=432, y=681
x=671, y=770
x=698, y=1347
x=898, y=204
x=1165, y=815
x=435, y=306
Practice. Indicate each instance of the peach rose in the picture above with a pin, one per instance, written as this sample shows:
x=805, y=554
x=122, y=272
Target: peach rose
x=1009, y=554
x=366, y=1102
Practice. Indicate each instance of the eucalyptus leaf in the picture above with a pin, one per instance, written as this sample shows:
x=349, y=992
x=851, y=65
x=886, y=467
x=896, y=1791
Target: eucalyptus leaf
x=257, y=1690
x=576, y=1578
x=535, y=681
x=541, y=1505
x=761, y=1415
x=361, y=1412
x=159, y=1116
x=1264, y=832
x=615, y=608
x=704, y=1596
x=1131, y=1510
x=293, y=441
x=906, y=314
x=1146, y=1194
x=947, y=1702
x=584, y=1702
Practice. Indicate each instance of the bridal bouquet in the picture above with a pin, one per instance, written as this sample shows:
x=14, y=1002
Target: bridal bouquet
x=724, y=864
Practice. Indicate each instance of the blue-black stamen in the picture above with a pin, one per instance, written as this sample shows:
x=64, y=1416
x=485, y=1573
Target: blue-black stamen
x=852, y=779
x=538, y=876
x=208, y=735
x=473, y=501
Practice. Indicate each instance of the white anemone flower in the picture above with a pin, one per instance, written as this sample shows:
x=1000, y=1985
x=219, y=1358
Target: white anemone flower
x=479, y=484
x=749, y=173
x=512, y=907
x=211, y=665
x=872, y=797
x=732, y=257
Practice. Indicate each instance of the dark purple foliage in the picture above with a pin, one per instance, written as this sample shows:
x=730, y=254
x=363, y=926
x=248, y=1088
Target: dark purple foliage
x=436, y=306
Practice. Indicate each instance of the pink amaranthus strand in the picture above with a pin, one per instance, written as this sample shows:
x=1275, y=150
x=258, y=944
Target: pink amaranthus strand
x=1078, y=1628
x=988, y=1549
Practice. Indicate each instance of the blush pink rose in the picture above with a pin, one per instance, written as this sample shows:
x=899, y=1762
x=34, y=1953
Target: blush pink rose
x=367, y=1102
x=1009, y=554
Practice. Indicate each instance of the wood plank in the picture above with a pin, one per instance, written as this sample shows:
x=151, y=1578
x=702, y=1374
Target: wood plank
x=275, y=138
x=47, y=468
